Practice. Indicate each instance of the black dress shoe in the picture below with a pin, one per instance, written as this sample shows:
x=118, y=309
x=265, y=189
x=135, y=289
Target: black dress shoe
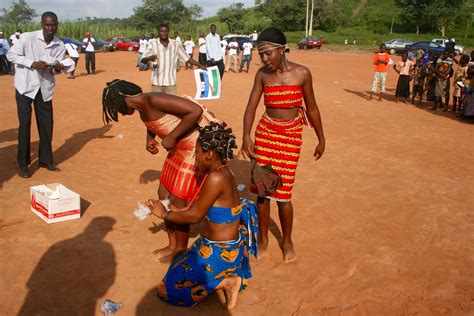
x=23, y=172
x=50, y=167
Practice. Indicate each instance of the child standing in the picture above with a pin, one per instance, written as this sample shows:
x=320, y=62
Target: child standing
x=419, y=76
x=381, y=60
x=459, y=75
x=404, y=69
x=278, y=136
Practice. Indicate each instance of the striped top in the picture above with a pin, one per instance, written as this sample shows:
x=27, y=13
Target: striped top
x=283, y=97
x=165, y=72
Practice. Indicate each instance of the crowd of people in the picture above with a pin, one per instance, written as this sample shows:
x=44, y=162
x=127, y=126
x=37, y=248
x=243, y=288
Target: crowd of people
x=196, y=183
x=435, y=77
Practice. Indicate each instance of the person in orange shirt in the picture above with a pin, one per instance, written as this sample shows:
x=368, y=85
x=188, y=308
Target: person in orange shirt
x=381, y=61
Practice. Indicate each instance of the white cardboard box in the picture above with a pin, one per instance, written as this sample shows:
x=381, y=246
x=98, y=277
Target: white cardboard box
x=55, y=203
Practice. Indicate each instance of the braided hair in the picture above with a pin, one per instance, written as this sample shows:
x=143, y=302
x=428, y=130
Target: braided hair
x=219, y=138
x=113, y=99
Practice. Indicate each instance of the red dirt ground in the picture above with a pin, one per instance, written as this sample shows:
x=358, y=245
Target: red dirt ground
x=384, y=221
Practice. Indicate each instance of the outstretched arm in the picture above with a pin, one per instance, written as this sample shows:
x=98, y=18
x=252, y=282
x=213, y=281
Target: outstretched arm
x=249, y=116
x=313, y=112
x=211, y=190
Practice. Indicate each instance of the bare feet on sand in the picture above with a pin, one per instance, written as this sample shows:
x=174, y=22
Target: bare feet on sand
x=262, y=248
x=228, y=291
x=163, y=252
x=289, y=254
x=167, y=259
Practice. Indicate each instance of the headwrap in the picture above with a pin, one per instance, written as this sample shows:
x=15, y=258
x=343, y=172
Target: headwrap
x=272, y=37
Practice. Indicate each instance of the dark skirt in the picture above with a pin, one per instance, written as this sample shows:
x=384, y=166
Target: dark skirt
x=403, y=87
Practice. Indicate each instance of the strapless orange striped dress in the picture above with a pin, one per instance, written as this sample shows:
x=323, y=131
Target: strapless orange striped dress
x=278, y=142
x=180, y=175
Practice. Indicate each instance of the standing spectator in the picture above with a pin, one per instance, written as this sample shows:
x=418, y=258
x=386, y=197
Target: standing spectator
x=232, y=50
x=202, y=49
x=37, y=54
x=189, y=48
x=246, y=54
x=410, y=55
x=164, y=52
x=459, y=75
x=213, y=50
x=404, y=69
x=142, y=43
x=419, y=76
x=90, y=53
x=224, y=45
x=442, y=71
x=4, y=47
x=381, y=60
x=180, y=43
x=72, y=51
x=14, y=38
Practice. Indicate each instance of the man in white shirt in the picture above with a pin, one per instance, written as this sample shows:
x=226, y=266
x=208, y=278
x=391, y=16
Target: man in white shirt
x=15, y=37
x=246, y=54
x=90, y=53
x=202, y=49
x=189, y=48
x=224, y=45
x=163, y=53
x=142, y=43
x=72, y=51
x=232, y=49
x=213, y=50
x=4, y=47
x=37, y=55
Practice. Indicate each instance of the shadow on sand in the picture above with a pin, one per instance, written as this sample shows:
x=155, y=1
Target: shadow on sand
x=73, y=274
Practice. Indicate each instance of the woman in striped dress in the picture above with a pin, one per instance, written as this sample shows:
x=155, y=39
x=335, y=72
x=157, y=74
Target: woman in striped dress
x=278, y=136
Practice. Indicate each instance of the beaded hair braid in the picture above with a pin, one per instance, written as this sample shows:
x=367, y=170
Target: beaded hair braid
x=219, y=138
x=113, y=98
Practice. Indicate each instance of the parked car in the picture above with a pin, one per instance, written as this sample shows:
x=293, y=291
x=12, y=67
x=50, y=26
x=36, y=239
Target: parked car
x=101, y=45
x=76, y=42
x=123, y=43
x=397, y=45
x=458, y=49
x=310, y=42
x=241, y=39
x=427, y=46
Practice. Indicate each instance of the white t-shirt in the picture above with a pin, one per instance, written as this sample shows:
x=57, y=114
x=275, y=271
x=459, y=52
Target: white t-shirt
x=247, y=48
x=90, y=47
x=178, y=40
x=224, y=45
x=188, y=46
x=142, y=45
x=233, y=48
x=202, y=48
x=72, y=50
x=13, y=39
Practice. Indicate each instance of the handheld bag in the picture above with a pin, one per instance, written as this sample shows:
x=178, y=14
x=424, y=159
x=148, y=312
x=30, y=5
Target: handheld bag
x=264, y=178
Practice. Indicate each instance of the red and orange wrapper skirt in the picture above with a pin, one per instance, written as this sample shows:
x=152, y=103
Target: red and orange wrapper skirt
x=278, y=143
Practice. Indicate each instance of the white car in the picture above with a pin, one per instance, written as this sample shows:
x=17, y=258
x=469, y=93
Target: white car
x=459, y=49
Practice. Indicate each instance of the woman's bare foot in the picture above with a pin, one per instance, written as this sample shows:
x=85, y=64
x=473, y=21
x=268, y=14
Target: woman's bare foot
x=289, y=254
x=231, y=287
x=163, y=252
x=262, y=247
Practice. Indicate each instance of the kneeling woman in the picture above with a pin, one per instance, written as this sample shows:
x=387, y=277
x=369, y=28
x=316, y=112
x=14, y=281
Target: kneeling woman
x=219, y=259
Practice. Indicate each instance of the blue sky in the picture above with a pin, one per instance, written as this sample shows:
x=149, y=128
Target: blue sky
x=73, y=9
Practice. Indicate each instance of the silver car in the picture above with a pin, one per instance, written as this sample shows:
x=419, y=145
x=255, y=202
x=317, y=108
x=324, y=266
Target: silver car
x=396, y=46
x=459, y=49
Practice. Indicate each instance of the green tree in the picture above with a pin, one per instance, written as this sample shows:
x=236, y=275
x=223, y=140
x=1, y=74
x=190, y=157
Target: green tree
x=232, y=16
x=155, y=12
x=413, y=12
x=443, y=13
x=19, y=13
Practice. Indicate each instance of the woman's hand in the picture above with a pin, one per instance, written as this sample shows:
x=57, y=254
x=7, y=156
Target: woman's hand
x=168, y=143
x=318, y=152
x=156, y=208
x=152, y=146
x=247, y=150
